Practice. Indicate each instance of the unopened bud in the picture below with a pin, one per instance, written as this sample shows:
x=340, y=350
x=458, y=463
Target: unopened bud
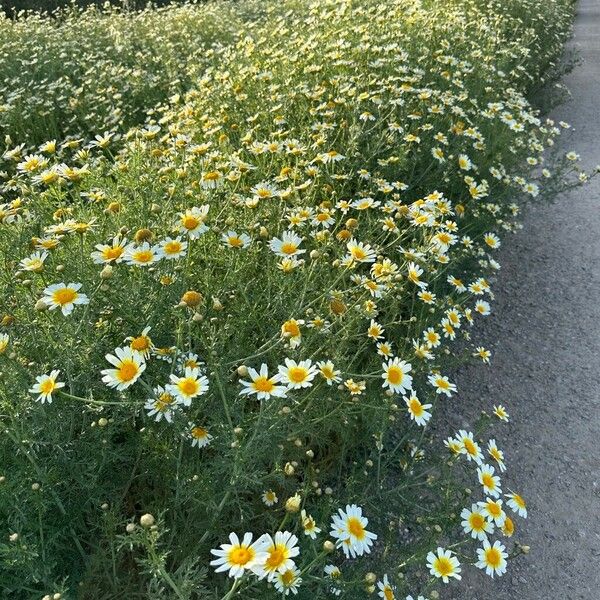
x=40, y=305
x=147, y=520
x=328, y=546
x=107, y=272
x=292, y=504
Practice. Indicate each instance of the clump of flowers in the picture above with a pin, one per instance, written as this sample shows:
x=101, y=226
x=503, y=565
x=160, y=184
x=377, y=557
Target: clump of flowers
x=243, y=315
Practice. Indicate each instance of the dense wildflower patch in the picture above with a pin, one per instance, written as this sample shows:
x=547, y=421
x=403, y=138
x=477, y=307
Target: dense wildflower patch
x=227, y=340
x=88, y=71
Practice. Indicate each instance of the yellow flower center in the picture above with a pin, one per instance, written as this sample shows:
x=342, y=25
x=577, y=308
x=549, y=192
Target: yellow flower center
x=416, y=407
x=200, y=433
x=355, y=528
x=358, y=253
x=388, y=593
x=488, y=481
x=127, y=371
x=395, y=375
x=188, y=386
x=288, y=577
x=173, y=247
x=263, y=384
x=291, y=328
x=277, y=556
x=493, y=557
x=288, y=248
x=190, y=222
x=240, y=555
x=494, y=509
x=297, y=374
x=443, y=566
x=141, y=344
x=47, y=386
x=143, y=256
x=64, y=296
x=469, y=446
x=236, y=242
x=113, y=253
x=477, y=521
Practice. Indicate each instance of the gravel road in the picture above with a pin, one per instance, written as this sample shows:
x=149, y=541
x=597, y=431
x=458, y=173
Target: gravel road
x=545, y=336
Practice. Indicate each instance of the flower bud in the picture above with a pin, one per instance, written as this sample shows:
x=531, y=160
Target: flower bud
x=130, y=527
x=107, y=272
x=370, y=577
x=292, y=504
x=40, y=305
x=242, y=370
x=147, y=520
x=328, y=546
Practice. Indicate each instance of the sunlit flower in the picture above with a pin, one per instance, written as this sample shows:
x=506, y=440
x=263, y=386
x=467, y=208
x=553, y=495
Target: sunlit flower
x=443, y=564
x=191, y=385
x=64, y=296
x=262, y=385
x=46, y=385
x=349, y=528
x=492, y=558
x=239, y=556
x=129, y=365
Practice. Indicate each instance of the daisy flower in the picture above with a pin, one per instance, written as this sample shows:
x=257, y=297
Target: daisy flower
x=172, y=248
x=386, y=591
x=188, y=387
x=239, y=556
x=63, y=296
x=109, y=253
x=492, y=558
x=442, y=385
x=500, y=412
x=469, y=446
x=161, y=406
x=517, y=504
x=45, y=385
x=199, y=436
x=190, y=360
x=297, y=374
x=288, y=581
x=281, y=551
x=483, y=308
x=192, y=220
x=309, y=525
x=231, y=239
x=475, y=523
x=142, y=343
x=489, y=481
x=35, y=262
x=290, y=331
x=4, y=339
x=262, y=385
x=359, y=252
x=269, y=497
x=329, y=372
x=288, y=245
x=497, y=455
x=443, y=565
x=417, y=411
x=432, y=338
x=396, y=377
x=129, y=365
x=493, y=510
x=349, y=528
x=142, y=255
x=414, y=275
x=492, y=240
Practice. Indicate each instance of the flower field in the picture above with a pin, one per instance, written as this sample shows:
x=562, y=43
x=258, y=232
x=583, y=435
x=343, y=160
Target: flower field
x=244, y=248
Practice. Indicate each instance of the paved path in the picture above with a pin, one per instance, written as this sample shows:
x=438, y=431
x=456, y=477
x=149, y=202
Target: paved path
x=545, y=334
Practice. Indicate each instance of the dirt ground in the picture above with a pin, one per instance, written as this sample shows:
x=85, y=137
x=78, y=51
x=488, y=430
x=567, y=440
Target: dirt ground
x=545, y=335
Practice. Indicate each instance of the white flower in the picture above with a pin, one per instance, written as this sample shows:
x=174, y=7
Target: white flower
x=45, y=385
x=65, y=297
